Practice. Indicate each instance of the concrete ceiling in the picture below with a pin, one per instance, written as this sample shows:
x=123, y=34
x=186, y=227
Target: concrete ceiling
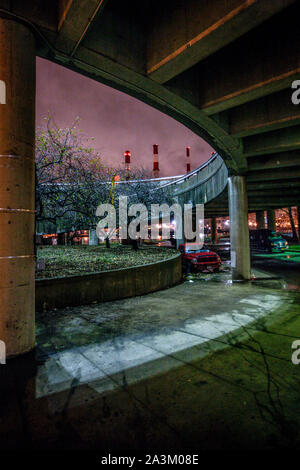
x=224, y=68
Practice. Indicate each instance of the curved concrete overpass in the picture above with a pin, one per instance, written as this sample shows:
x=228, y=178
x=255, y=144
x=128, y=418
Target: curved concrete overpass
x=202, y=185
x=223, y=69
x=192, y=61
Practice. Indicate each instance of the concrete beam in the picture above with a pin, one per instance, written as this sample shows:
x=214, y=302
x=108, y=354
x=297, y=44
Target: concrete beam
x=75, y=17
x=258, y=205
x=265, y=194
x=280, y=200
x=63, y=8
x=277, y=160
x=275, y=184
x=42, y=14
x=281, y=140
x=261, y=62
x=184, y=33
x=275, y=174
x=265, y=114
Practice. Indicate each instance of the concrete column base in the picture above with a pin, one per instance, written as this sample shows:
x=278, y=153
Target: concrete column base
x=239, y=231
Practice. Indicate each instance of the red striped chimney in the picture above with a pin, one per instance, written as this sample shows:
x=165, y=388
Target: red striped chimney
x=188, y=161
x=155, y=161
x=127, y=156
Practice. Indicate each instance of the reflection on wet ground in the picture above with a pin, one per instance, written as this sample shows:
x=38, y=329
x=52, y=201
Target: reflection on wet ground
x=288, y=271
x=204, y=363
x=288, y=255
x=95, y=342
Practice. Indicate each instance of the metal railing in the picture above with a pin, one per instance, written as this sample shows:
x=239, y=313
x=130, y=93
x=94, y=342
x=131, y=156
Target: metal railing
x=202, y=184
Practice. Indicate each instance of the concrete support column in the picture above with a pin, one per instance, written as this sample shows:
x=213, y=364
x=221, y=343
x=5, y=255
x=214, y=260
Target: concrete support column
x=260, y=219
x=239, y=231
x=213, y=230
x=17, y=221
x=271, y=220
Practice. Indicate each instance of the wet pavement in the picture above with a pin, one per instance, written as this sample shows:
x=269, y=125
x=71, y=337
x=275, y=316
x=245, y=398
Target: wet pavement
x=287, y=270
x=104, y=375
x=102, y=342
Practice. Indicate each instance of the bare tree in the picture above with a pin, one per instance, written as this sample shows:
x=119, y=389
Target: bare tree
x=68, y=177
x=292, y=222
x=72, y=181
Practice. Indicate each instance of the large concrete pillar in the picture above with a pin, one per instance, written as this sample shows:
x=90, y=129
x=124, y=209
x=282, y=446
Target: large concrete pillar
x=260, y=219
x=271, y=220
x=17, y=134
x=239, y=231
x=213, y=230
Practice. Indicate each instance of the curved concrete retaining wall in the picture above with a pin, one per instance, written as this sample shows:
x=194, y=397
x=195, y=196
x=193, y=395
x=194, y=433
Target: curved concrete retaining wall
x=107, y=285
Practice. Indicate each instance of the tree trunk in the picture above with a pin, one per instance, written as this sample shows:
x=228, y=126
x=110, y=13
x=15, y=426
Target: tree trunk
x=295, y=236
x=134, y=244
x=70, y=238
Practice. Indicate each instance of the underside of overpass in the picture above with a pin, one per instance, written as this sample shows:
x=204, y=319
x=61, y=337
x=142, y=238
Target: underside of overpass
x=222, y=68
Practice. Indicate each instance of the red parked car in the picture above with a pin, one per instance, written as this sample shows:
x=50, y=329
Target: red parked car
x=195, y=258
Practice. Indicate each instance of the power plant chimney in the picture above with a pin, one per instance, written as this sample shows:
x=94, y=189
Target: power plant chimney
x=155, y=161
x=127, y=156
x=188, y=161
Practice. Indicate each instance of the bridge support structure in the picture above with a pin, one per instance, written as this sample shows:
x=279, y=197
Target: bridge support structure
x=213, y=230
x=239, y=231
x=17, y=205
x=260, y=219
x=271, y=220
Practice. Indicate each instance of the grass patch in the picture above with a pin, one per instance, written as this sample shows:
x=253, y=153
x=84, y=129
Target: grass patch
x=75, y=260
x=288, y=255
x=294, y=248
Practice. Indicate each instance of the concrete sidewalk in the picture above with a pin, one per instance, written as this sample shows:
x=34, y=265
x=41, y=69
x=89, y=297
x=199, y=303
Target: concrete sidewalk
x=144, y=336
x=203, y=365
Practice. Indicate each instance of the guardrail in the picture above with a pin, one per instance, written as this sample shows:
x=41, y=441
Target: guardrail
x=202, y=184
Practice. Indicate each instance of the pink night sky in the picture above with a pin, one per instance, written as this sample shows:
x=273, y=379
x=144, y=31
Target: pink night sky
x=117, y=121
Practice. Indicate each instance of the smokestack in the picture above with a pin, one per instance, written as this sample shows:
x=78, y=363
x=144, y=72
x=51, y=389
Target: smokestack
x=155, y=161
x=188, y=162
x=127, y=156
